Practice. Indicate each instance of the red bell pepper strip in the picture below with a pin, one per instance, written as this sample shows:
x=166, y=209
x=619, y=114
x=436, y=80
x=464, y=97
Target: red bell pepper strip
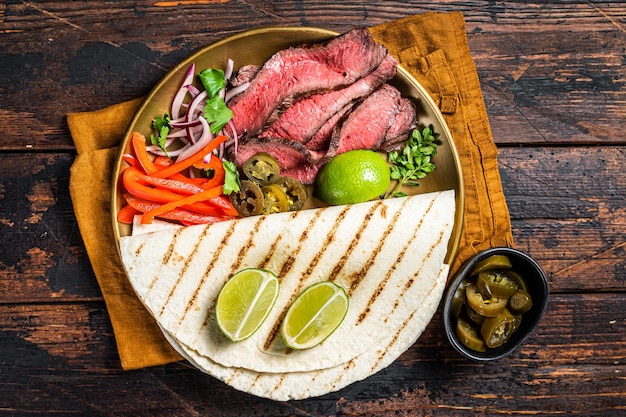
x=211, y=207
x=131, y=160
x=182, y=215
x=132, y=180
x=215, y=164
x=225, y=205
x=127, y=214
x=186, y=163
x=164, y=208
x=138, y=142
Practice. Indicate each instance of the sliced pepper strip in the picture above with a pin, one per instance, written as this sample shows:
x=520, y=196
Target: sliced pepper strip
x=186, y=163
x=203, y=196
x=182, y=215
x=215, y=164
x=208, y=207
x=131, y=178
x=126, y=214
x=141, y=153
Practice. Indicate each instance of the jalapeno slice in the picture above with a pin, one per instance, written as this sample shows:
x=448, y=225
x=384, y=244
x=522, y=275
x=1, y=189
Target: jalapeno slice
x=468, y=335
x=520, y=302
x=497, y=330
x=248, y=201
x=296, y=194
x=519, y=280
x=458, y=300
x=274, y=199
x=474, y=317
x=483, y=304
x=496, y=283
x=261, y=168
x=490, y=263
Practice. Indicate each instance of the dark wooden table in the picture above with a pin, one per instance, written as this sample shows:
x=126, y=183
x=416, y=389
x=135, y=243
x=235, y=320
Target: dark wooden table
x=554, y=81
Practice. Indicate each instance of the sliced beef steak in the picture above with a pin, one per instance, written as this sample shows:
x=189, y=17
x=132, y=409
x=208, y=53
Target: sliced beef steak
x=404, y=122
x=244, y=75
x=304, y=118
x=321, y=140
x=366, y=126
x=292, y=71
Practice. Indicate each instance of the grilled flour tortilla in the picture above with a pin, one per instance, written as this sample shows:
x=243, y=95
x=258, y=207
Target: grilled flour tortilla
x=386, y=254
x=301, y=385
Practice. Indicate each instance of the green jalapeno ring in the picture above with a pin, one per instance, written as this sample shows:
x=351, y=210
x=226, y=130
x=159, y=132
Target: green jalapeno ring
x=262, y=168
x=490, y=263
x=274, y=199
x=469, y=336
x=496, y=283
x=497, y=330
x=488, y=307
x=517, y=277
x=458, y=300
x=520, y=302
x=295, y=191
x=248, y=201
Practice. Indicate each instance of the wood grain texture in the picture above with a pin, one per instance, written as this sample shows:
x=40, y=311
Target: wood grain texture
x=47, y=349
x=553, y=80
x=552, y=72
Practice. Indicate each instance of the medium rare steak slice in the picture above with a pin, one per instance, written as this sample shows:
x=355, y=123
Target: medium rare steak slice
x=366, y=126
x=340, y=62
x=244, y=75
x=305, y=117
x=321, y=140
x=293, y=157
x=404, y=123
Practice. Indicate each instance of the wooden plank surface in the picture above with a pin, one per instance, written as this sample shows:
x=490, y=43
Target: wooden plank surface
x=65, y=354
x=553, y=80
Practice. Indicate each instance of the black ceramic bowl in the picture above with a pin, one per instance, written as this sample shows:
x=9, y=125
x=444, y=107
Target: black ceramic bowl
x=537, y=284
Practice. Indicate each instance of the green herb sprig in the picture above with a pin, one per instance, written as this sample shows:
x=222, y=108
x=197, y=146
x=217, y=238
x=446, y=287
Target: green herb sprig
x=162, y=127
x=414, y=162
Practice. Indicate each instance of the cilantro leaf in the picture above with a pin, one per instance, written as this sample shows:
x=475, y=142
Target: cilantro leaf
x=212, y=80
x=231, y=178
x=413, y=163
x=217, y=114
x=162, y=127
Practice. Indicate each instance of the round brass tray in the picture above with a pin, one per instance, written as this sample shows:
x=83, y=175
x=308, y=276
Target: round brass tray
x=255, y=47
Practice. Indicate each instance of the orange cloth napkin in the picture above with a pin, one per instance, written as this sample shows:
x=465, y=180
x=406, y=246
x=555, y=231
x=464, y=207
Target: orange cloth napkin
x=432, y=46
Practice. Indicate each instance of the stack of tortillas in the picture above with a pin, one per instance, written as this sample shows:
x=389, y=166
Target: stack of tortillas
x=387, y=254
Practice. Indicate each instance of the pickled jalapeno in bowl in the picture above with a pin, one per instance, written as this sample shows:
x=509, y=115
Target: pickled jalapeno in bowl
x=493, y=303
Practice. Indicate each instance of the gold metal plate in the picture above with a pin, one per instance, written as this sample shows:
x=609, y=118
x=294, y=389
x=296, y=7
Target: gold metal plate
x=255, y=47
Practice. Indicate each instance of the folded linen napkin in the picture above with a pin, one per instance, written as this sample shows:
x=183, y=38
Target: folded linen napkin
x=432, y=47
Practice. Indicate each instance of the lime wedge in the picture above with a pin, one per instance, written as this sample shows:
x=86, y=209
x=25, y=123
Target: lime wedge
x=314, y=315
x=245, y=301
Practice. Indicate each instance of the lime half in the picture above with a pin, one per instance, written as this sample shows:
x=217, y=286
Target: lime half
x=245, y=302
x=314, y=315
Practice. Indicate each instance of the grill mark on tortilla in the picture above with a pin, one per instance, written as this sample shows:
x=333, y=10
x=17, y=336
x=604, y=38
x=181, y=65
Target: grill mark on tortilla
x=194, y=296
x=392, y=342
x=233, y=375
x=327, y=242
x=181, y=272
x=383, y=283
x=248, y=245
x=166, y=257
x=360, y=275
x=411, y=281
x=280, y=382
x=397, y=334
x=290, y=260
x=353, y=243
